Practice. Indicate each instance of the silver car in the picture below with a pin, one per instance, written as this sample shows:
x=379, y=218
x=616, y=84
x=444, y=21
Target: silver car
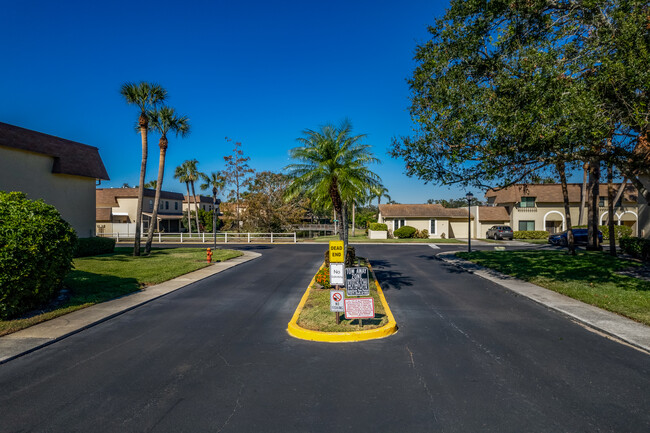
x=499, y=232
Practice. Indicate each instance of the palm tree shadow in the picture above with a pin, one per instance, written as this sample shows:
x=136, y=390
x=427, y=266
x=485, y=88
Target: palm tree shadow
x=393, y=280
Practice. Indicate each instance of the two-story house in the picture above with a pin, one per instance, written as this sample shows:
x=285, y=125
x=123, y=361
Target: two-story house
x=117, y=208
x=541, y=207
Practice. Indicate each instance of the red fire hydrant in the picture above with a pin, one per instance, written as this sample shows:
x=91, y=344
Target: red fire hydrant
x=209, y=255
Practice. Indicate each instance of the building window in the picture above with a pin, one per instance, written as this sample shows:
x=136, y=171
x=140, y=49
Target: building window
x=399, y=223
x=175, y=205
x=601, y=202
x=166, y=205
x=527, y=202
x=151, y=204
x=432, y=229
x=526, y=226
x=161, y=206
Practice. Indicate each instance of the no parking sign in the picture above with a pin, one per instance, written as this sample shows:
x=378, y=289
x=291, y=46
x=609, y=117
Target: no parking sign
x=337, y=297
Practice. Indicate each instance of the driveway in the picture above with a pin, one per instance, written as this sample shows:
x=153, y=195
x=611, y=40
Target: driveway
x=214, y=356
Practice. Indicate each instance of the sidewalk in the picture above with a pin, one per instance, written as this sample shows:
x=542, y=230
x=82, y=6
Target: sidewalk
x=627, y=330
x=45, y=333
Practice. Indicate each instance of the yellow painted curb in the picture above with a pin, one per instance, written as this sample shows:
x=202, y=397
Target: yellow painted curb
x=342, y=337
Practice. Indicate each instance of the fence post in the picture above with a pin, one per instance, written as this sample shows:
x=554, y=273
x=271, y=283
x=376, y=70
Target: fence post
x=203, y=241
x=118, y=237
x=226, y=239
x=249, y=237
x=294, y=237
x=181, y=237
x=271, y=237
x=159, y=238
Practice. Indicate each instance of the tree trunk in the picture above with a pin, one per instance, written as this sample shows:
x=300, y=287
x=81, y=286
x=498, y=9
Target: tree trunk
x=354, y=218
x=143, y=170
x=196, y=209
x=561, y=169
x=610, y=209
x=583, y=193
x=189, y=213
x=344, y=222
x=592, y=223
x=156, y=200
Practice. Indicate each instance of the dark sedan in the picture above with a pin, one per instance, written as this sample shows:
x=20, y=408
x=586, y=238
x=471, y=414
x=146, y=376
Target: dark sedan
x=580, y=237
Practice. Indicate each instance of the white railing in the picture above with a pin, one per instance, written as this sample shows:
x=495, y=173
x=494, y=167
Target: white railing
x=222, y=237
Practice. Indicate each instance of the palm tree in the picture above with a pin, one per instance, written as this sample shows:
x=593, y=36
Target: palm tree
x=379, y=192
x=151, y=184
x=145, y=96
x=163, y=121
x=333, y=163
x=182, y=176
x=193, y=174
x=217, y=183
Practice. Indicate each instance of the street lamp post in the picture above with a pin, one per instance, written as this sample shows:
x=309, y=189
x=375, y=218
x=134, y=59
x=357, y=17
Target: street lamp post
x=215, y=211
x=469, y=197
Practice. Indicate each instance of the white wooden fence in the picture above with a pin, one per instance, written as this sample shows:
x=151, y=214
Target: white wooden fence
x=222, y=237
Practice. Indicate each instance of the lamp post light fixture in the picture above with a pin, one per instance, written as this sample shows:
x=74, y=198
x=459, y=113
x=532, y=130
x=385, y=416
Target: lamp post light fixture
x=469, y=197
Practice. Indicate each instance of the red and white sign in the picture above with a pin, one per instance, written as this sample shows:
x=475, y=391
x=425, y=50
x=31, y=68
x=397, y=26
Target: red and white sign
x=359, y=308
x=336, y=301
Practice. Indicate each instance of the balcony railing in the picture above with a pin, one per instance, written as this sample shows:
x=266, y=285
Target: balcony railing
x=526, y=209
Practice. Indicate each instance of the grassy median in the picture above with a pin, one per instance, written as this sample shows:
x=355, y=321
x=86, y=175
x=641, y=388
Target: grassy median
x=102, y=278
x=316, y=314
x=590, y=277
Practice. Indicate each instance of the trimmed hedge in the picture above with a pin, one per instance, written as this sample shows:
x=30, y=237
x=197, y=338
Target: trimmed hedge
x=619, y=231
x=378, y=227
x=36, y=249
x=405, y=232
x=530, y=234
x=94, y=246
x=636, y=247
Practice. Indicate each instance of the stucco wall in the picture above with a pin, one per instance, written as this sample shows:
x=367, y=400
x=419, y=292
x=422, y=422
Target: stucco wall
x=442, y=225
x=31, y=173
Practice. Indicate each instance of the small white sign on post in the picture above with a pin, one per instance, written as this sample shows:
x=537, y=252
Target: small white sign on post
x=337, y=274
x=336, y=301
x=359, y=308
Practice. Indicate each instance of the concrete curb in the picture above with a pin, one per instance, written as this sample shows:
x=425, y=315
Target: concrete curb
x=43, y=334
x=341, y=337
x=627, y=330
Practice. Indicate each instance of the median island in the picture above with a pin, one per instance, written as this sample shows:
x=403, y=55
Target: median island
x=314, y=321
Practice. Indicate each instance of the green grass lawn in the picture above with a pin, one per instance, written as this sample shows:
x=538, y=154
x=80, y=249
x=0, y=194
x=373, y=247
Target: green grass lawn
x=364, y=238
x=589, y=277
x=316, y=314
x=101, y=278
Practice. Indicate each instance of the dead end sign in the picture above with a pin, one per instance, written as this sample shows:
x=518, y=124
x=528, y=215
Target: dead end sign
x=336, y=252
x=359, y=308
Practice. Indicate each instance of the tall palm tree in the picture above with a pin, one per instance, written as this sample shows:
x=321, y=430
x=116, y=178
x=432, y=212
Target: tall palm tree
x=217, y=183
x=332, y=162
x=151, y=184
x=379, y=192
x=181, y=174
x=163, y=121
x=145, y=96
x=193, y=175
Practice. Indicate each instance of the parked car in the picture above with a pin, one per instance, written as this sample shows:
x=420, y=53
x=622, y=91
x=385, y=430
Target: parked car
x=580, y=237
x=499, y=232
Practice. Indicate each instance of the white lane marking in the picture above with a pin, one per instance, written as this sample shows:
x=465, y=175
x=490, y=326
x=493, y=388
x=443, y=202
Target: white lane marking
x=434, y=246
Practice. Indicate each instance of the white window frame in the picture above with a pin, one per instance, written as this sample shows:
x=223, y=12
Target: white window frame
x=396, y=224
x=433, y=226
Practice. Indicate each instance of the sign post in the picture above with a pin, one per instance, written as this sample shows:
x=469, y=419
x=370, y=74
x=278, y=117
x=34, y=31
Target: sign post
x=337, y=268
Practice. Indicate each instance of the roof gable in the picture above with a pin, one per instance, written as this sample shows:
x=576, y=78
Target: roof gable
x=420, y=211
x=552, y=193
x=69, y=157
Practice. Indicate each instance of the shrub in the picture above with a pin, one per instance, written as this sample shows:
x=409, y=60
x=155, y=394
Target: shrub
x=94, y=246
x=636, y=247
x=323, y=277
x=424, y=234
x=619, y=232
x=530, y=234
x=351, y=256
x=36, y=249
x=405, y=232
x=378, y=227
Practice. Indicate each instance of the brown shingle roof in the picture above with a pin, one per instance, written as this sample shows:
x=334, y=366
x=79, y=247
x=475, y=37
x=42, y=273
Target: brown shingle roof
x=199, y=198
x=103, y=214
x=493, y=214
x=420, y=211
x=107, y=197
x=552, y=193
x=69, y=157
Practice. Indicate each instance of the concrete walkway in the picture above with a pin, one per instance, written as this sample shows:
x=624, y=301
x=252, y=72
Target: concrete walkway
x=625, y=329
x=42, y=334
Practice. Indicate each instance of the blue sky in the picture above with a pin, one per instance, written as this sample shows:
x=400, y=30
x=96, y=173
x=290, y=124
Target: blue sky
x=259, y=72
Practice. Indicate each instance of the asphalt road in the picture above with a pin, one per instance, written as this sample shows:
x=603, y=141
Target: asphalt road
x=469, y=356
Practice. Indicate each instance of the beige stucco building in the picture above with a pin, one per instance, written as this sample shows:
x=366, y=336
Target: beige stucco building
x=541, y=207
x=63, y=173
x=203, y=202
x=117, y=208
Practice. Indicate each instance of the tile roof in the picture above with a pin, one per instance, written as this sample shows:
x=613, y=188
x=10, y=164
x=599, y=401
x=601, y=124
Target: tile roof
x=199, y=198
x=108, y=196
x=421, y=211
x=103, y=214
x=493, y=213
x=552, y=193
x=69, y=157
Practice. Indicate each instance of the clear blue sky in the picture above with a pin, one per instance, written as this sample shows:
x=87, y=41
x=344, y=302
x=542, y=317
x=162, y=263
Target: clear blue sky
x=259, y=72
